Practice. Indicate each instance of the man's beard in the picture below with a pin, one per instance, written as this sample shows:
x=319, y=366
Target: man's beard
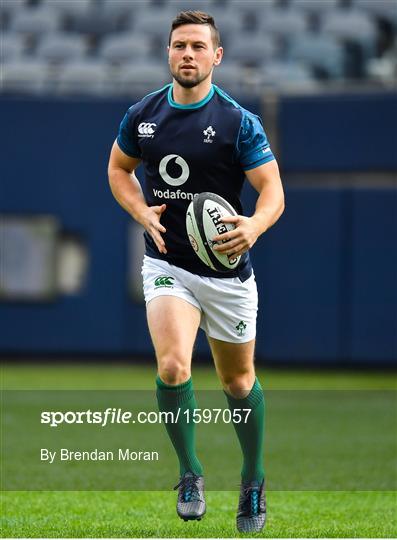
x=189, y=83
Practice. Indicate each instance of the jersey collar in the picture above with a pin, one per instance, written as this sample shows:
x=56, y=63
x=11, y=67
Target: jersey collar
x=190, y=105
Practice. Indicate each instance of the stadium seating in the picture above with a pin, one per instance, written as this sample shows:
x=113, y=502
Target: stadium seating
x=351, y=25
x=25, y=76
x=182, y=5
x=120, y=14
x=11, y=6
x=278, y=74
x=252, y=7
x=68, y=8
x=83, y=78
x=62, y=47
x=97, y=23
x=320, y=39
x=252, y=49
x=139, y=78
x=36, y=20
x=12, y=47
x=283, y=21
x=229, y=26
x=154, y=25
x=125, y=47
x=231, y=77
x=381, y=8
x=321, y=53
x=121, y=8
x=313, y=6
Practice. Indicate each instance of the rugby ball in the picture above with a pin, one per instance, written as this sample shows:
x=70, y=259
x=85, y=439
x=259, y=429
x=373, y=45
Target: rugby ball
x=203, y=223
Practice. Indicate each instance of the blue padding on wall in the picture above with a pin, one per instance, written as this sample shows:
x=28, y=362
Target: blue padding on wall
x=56, y=163
x=352, y=132
x=326, y=273
x=298, y=273
x=373, y=307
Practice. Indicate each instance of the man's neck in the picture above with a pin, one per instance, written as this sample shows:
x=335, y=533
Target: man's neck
x=186, y=96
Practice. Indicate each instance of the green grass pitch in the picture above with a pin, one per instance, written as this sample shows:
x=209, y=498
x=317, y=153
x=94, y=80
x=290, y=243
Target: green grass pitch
x=152, y=514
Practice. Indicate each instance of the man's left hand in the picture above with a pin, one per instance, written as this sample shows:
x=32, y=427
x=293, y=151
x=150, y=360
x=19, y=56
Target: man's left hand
x=240, y=239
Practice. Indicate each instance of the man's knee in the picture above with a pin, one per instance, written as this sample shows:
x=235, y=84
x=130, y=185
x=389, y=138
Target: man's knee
x=239, y=384
x=173, y=369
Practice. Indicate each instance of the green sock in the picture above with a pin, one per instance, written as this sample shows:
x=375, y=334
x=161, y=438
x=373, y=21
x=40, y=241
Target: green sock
x=182, y=433
x=251, y=433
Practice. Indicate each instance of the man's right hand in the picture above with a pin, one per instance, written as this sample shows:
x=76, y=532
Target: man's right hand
x=150, y=219
x=128, y=192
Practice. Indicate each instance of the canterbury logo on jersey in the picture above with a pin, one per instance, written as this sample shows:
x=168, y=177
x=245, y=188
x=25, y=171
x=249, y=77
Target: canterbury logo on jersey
x=164, y=281
x=146, y=129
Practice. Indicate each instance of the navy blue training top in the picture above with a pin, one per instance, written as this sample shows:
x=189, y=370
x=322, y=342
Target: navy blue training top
x=188, y=149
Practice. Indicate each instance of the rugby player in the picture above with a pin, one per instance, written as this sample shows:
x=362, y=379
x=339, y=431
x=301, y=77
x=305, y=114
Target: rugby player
x=192, y=137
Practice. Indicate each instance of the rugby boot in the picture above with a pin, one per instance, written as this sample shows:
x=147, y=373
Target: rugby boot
x=251, y=513
x=191, y=502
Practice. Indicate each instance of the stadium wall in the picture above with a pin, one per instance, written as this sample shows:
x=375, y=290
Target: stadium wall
x=326, y=273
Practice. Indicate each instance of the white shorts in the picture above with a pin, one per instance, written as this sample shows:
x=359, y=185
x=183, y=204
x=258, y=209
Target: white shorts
x=228, y=306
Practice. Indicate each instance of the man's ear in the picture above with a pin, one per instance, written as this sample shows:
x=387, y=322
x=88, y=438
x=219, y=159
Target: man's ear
x=218, y=56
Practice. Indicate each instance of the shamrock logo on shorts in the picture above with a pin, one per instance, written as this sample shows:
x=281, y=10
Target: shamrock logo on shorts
x=240, y=327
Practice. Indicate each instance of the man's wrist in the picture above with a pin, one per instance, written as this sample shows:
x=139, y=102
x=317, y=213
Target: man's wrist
x=261, y=221
x=138, y=213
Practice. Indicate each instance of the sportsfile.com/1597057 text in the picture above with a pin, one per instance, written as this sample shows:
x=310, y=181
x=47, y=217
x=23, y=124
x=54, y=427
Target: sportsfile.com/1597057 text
x=114, y=415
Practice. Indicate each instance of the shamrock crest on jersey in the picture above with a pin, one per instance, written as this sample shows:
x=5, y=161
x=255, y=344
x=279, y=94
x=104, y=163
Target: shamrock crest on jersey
x=209, y=132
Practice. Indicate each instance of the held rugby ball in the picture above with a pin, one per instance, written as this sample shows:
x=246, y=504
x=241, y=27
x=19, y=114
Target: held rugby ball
x=203, y=223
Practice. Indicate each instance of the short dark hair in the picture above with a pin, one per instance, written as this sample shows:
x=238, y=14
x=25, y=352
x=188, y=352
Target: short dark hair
x=196, y=17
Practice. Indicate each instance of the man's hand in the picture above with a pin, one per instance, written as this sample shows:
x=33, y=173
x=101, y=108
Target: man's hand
x=241, y=239
x=150, y=219
x=269, y=207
